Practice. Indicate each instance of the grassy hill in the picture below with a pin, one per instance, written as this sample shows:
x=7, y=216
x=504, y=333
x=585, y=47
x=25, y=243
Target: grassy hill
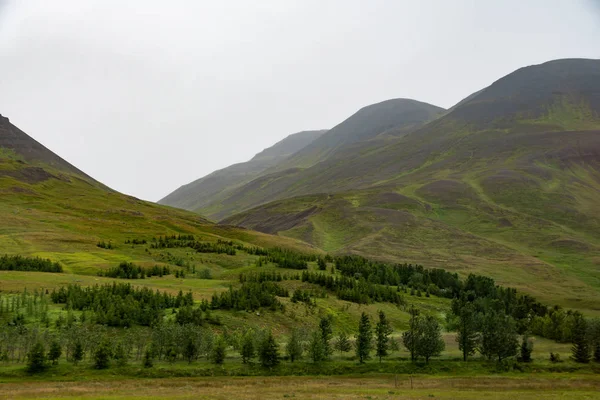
x=506, y=183
x=57, y=212
x=217, y=185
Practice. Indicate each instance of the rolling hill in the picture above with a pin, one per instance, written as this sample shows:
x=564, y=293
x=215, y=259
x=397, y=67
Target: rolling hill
x=377, y=124
x=506, y=183
x=198, y=194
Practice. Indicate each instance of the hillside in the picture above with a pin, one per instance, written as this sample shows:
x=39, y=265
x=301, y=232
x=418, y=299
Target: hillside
x=211, y=188
x=507, y=183
x=56, y=212
x=371, y=127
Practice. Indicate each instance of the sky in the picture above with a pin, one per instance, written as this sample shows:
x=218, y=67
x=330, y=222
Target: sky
x=148, y=95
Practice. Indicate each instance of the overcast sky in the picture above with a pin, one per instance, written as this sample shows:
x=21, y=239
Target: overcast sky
x=148, y=95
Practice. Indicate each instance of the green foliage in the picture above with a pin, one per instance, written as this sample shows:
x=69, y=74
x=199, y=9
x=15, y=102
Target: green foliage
x=383, y=330
x=127, y=270
x=248, y=351
x=190, y=351
x=148, y=358
x=102, y=355
x=316, y=348
x=364, y=339
x=218, y=351
x=342, y=343
x=581, y=348
x=36, y=359
x=268, y=351
x=54, y=352
x=498, y=336
x=467, y=327
x=78, y=353
x=326, y=331
x=293, y=348
x=526, y=349
x=250, y=296
x=120, y=355
x=20, y=263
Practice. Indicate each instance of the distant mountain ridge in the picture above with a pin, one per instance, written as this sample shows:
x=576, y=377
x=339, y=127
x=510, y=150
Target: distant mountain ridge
x=198, y=194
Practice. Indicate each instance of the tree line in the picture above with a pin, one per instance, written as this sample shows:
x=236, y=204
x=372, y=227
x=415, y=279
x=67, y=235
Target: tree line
x=20, y=263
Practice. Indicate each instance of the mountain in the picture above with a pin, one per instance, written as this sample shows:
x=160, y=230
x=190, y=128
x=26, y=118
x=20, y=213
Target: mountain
x=198, y=194
x=376, y=124
x=397, y=115
x=50, y=208
x=507, y=183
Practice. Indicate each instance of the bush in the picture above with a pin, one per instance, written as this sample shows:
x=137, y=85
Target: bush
x=554, y=357
x=102, y=356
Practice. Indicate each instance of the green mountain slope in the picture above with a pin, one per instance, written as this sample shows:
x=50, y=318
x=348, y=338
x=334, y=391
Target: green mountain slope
x=376, y=125
x=57, y=212
x=211, y=188
x=507, y=183
x=49, y=208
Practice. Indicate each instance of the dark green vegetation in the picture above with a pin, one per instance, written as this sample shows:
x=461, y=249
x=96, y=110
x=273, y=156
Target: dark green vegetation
x=505, y=184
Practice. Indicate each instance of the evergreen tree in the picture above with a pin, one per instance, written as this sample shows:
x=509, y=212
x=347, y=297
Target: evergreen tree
x=326, y=334
x=294, y=346
x=364, y=338
x=102, y=355
x=268, y=351
x=409, y=338
x=55, y=352
x=218, y=351
x=595, y=338
x=77, y=353
x=383, y=330
x=316, y=348
x=148, y=358
x=247, y=350
x=467, y=336
x=342, y=343
x=580, y=351
x=36, y=359
x=526, y=349
x=322, y=264
x=394, y=345
x=190, y=351
x=429, y=338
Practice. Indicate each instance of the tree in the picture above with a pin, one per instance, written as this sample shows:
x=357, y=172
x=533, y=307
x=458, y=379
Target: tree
x=580, y=351
x=190, y=351
x=102, y=355
x=409, y=338
x=594, y=332
x=467, y=336
x=429, y=338
x=55, y=352
x=120, y=355
x=294, y=346
x=342, y=343
x=364, y=338
x=498, y=336
x=316, y=348
x=526, y=349
x=268, y=351
x=148, y=358
x=383, y=330
x=218, y=351
x=77, y=353
x=247, y=350
x=36, y=359
x=326, y=334
x=321, y=264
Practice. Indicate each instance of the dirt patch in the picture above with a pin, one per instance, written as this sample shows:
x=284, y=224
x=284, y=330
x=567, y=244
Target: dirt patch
x=31, y=175
x=271, y=221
